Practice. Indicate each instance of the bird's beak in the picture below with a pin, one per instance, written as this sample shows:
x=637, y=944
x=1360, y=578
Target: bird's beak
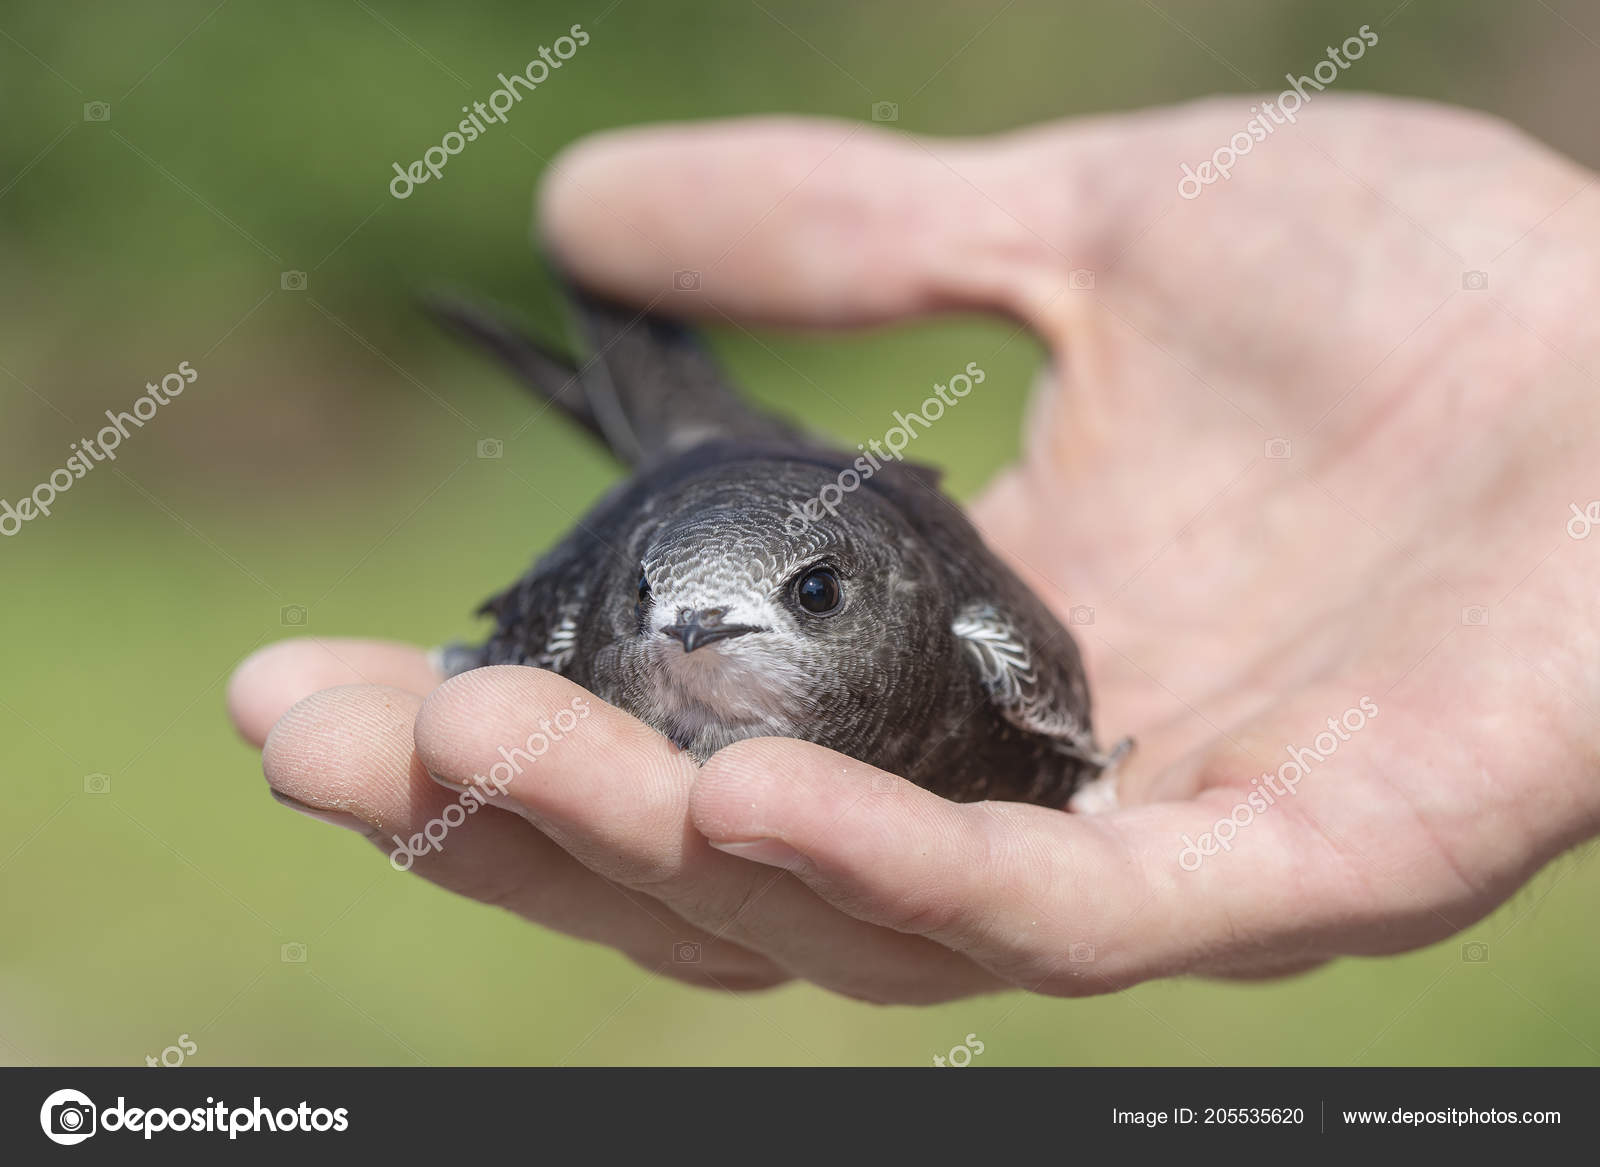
x=694, y=629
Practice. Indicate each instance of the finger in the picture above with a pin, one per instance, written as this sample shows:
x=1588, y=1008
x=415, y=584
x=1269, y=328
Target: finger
x=273, y=679
x=816, y=222
x=615, y=794
x=345, y=755
x=1048, y=901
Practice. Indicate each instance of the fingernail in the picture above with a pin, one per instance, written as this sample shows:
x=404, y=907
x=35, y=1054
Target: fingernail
x=332, y=817
x=772, y=852
x=457, y=787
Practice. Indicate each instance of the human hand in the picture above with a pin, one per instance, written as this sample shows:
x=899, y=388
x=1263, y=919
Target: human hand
x=1410, y=552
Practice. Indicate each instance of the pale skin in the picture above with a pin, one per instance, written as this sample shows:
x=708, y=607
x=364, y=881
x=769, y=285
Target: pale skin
x=1438, y=437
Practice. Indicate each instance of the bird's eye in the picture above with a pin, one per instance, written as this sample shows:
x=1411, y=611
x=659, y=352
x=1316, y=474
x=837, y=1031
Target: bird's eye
x=644, y=587
x=818, y=591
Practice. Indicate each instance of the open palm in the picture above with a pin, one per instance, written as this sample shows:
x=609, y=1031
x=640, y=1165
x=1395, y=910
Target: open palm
x=1301, y=477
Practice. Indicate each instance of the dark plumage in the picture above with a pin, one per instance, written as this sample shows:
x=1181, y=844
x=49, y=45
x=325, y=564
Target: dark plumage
x=695, y=596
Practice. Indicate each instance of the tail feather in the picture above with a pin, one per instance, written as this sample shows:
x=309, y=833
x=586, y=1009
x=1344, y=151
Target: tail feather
x=648, y=387
x=553, y=376
x=661, y=381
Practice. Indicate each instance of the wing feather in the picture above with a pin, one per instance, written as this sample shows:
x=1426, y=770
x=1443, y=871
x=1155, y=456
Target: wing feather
x=1032, y=698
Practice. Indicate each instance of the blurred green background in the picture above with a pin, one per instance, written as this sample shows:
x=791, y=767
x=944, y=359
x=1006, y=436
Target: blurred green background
x=313, y=465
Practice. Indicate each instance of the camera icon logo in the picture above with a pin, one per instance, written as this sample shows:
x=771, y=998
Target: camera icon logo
x=886, y=111
x=96, y=111
x=292, y=953
x=1081, y=279
x=292, y=281
x=293, y=616
x=1278, y=449
x=1474, y=281
x=686, y=952
x=491, y=448
x=67, y=1117
x=686, y=281
x=1475, y=952
x=1475, y=616
x=97, y=784
x=1081, y=953
x=1080, y=614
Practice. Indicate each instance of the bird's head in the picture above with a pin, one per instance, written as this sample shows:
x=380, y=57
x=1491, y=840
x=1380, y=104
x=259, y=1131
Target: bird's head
x=746, y=620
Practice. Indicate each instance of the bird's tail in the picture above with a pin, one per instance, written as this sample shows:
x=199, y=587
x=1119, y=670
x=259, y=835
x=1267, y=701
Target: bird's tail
x=646, y=387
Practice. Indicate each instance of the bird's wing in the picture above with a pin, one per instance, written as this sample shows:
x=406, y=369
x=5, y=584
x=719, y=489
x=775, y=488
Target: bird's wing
x=1022, y=684
x=537, y=618
x=551, y=374
x=654, y=387
x=648, y=387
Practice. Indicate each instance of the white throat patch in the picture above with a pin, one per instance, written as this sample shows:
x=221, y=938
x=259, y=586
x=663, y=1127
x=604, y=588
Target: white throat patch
x=740, y=687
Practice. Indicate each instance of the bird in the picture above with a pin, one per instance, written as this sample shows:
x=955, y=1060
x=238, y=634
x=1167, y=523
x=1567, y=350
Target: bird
x=751, y=579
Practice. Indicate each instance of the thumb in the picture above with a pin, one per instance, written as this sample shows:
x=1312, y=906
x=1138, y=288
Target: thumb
x=820, y=223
